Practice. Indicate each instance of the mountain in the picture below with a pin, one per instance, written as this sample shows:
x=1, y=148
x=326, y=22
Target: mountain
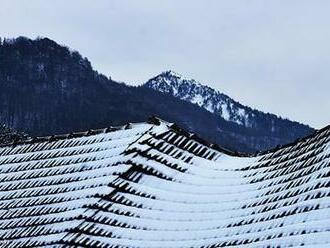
x=190, y=90
x=47, y=88
x=217, y=103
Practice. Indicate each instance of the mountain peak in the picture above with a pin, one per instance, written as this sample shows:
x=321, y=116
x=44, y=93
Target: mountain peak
x=190, y=90
x=212, y=100
x=171, y=73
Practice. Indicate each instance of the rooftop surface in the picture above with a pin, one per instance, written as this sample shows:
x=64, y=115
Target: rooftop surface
x=155, y=185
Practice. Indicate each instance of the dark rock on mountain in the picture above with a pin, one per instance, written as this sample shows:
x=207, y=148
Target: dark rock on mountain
x=46, y=88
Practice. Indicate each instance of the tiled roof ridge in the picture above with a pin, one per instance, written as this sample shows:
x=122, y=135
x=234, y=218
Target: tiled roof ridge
x=196, y=137
x=295, y=142
x=57, y=137
x=154, y=120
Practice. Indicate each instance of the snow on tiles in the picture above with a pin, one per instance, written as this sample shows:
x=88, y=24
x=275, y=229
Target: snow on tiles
x=155, y=185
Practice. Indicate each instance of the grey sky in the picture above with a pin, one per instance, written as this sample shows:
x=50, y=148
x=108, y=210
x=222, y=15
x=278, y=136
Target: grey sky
x=273, y=55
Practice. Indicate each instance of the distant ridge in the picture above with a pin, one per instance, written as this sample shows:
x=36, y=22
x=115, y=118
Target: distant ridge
x=192, y=91
x=47, y=89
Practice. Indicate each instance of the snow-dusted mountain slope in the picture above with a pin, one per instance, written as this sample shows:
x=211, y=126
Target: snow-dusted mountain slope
x=48, y=89
x=210, y=99
x=155, y=185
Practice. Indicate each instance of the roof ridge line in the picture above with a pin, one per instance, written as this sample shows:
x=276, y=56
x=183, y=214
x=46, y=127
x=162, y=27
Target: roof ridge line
x=79, y=134
x=154, y=120
x=279, y=147
x=175, y=127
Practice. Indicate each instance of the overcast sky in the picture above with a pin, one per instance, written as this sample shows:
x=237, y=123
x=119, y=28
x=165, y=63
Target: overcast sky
x=273, y=55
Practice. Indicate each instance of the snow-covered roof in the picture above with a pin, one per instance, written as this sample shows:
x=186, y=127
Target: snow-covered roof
x=154, y=185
